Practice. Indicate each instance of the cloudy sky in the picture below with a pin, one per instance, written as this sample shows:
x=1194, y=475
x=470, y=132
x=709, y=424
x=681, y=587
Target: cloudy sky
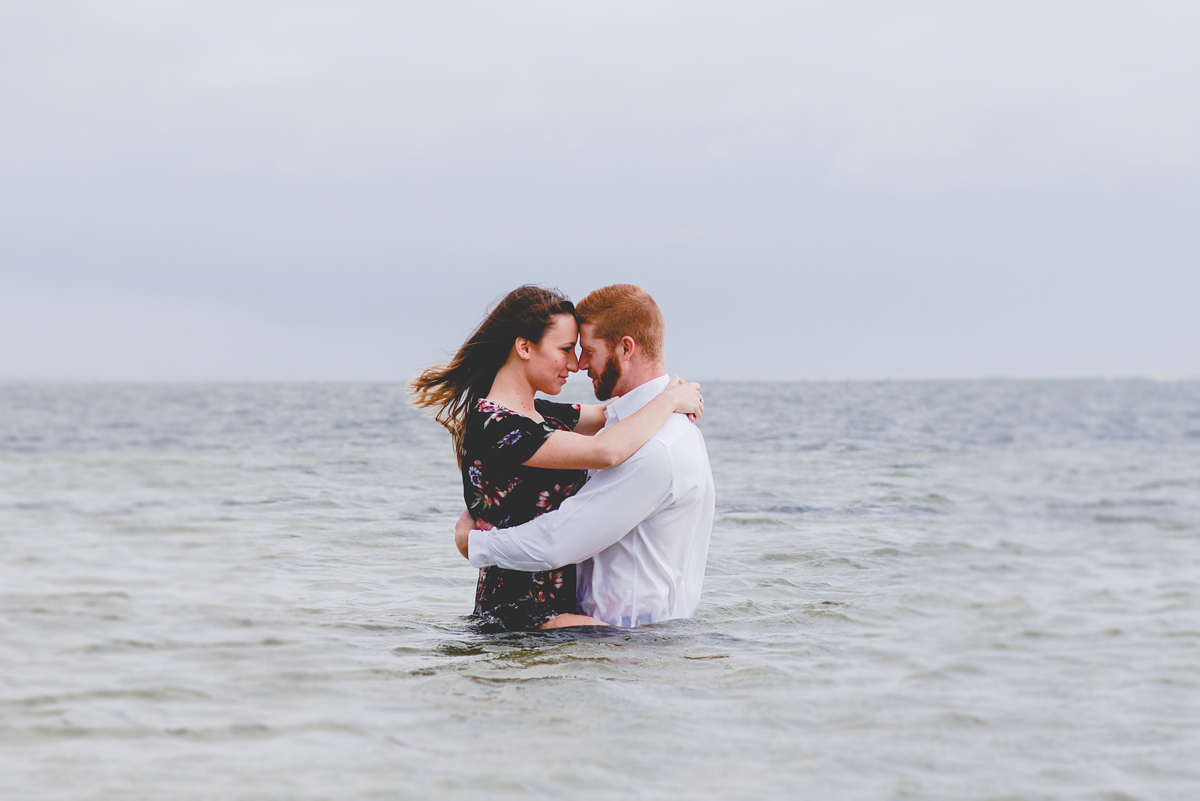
x=202, y=189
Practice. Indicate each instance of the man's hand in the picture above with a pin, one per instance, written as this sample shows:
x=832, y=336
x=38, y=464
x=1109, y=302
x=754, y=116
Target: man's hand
x=463, y=528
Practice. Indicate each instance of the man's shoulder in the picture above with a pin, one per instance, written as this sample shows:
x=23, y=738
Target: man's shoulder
x=678, y=429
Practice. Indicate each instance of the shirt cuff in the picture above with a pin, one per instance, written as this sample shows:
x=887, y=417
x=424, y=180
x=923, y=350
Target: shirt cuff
x=479, y=549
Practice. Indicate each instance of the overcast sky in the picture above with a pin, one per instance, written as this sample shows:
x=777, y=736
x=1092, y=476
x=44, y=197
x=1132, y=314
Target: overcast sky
x=197, y=189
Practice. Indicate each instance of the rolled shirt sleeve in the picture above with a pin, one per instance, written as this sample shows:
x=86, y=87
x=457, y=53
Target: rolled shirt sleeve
x=608, y=507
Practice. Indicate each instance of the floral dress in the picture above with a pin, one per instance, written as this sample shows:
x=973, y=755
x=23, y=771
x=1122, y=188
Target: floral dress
x=504, y=492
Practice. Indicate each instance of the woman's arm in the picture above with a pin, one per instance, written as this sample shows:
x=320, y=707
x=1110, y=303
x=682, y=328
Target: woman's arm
x=591, y=418
x=569, y=450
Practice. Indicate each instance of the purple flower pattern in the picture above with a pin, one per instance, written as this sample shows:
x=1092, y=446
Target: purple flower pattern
x=500, y=489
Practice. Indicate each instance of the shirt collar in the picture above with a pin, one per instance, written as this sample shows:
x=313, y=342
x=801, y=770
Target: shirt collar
x=635, y=399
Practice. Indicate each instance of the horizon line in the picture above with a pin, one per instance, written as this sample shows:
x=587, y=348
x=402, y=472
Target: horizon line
x=1158, y=377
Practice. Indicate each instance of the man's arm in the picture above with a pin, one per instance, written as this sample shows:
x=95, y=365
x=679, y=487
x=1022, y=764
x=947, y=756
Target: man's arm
x=461, y=529
x=606, y=509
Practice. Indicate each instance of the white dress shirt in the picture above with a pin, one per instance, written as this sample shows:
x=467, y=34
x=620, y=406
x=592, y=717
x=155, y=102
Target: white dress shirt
x=639, y=531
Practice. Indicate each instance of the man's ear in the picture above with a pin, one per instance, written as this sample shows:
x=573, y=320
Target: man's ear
x=629, y=346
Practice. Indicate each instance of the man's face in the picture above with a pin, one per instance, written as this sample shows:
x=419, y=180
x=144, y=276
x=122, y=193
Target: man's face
x=600, y=362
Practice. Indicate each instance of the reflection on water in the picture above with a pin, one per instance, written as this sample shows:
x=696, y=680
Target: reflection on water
x=915, y=590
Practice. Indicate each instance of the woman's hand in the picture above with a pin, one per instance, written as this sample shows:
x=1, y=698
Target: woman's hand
x=687, y=398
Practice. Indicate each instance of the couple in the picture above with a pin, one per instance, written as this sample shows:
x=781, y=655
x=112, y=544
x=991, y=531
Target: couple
x=556, y=548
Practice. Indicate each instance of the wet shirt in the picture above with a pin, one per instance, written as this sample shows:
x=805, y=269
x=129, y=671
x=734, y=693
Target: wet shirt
x=639, y=531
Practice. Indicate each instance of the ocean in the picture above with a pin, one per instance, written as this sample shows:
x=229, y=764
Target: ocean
x=971, y=589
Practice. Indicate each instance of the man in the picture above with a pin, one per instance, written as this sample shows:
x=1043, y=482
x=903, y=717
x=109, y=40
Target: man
x=640, y=530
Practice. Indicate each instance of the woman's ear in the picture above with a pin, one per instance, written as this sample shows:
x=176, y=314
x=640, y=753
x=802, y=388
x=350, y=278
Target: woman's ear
x=522, y=346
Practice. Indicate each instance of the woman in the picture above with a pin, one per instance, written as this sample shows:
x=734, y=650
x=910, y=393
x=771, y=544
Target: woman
x=520, y=456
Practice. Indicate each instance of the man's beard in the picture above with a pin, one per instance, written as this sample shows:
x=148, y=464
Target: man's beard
x=609, y=376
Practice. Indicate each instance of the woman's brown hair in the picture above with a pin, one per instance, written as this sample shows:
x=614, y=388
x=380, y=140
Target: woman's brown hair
x=453, y=389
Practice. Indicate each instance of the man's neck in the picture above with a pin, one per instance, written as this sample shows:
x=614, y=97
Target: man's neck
x=629, y=402
x=641, y=373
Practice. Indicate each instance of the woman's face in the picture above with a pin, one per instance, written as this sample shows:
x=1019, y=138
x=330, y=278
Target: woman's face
x=553, y=359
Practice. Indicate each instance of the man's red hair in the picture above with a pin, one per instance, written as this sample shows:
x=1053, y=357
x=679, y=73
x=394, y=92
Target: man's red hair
x=624, y=310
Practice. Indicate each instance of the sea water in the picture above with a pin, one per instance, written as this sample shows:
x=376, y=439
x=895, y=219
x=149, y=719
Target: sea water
x=915, y=590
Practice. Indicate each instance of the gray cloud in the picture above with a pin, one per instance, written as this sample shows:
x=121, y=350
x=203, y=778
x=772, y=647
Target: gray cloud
x=320, y=190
